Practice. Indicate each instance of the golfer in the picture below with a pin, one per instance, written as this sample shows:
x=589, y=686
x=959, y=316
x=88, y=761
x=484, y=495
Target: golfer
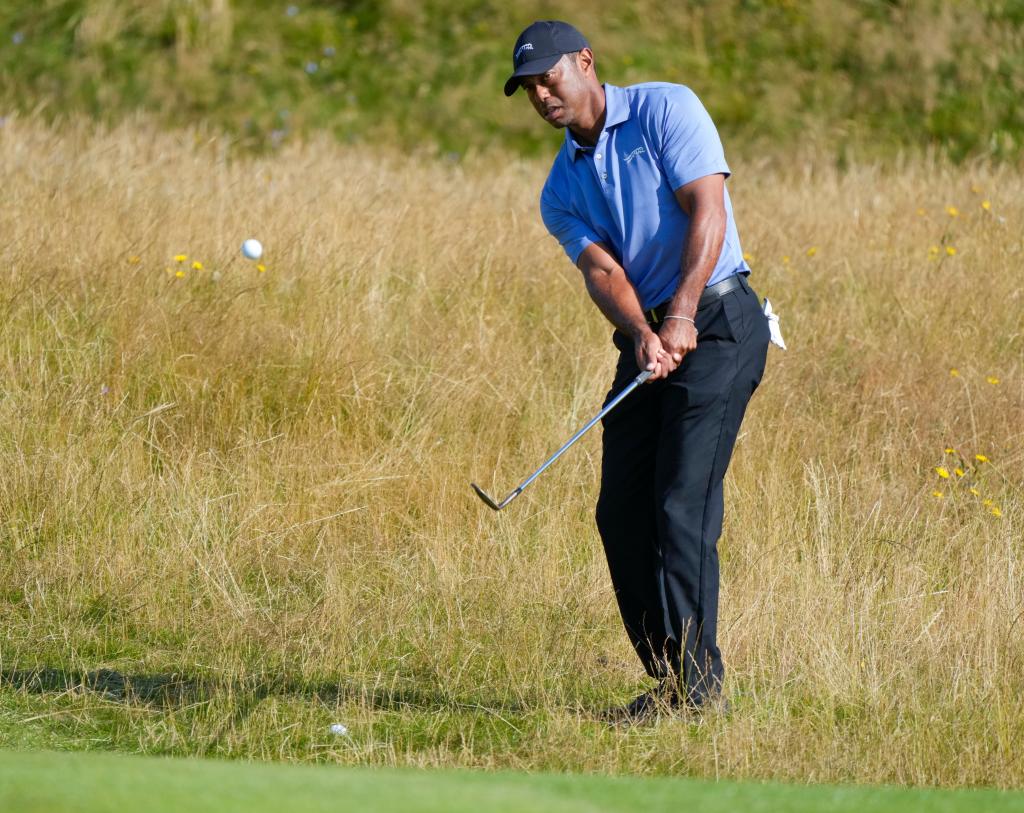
x=636, y=196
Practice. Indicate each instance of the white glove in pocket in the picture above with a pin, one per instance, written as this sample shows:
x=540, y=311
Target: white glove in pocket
x=773, y=325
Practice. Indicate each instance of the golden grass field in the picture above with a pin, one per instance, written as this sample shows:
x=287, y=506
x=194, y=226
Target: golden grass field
x=250, y=489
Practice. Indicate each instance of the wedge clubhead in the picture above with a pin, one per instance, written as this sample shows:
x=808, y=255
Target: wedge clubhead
x=489, y=502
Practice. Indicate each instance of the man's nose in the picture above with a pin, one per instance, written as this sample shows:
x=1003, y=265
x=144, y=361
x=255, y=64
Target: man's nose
x=541, y=93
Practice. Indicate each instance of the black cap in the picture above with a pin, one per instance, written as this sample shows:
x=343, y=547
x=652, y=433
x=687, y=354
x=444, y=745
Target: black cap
x=539, y=48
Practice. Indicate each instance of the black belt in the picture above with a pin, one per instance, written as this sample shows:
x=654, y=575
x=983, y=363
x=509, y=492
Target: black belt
x=711, y=293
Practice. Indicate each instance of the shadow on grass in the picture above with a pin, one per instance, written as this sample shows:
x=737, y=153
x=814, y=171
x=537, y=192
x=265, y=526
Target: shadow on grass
x=174, y=690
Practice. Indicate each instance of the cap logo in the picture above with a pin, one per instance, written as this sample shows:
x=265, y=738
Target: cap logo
x=526, y=46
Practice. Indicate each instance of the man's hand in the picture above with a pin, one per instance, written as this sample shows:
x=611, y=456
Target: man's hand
x=678, y=337
x=651, y=355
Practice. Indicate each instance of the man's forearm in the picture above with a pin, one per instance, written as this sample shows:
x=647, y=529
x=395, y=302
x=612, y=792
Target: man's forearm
x=616, y=298
x=703, y=247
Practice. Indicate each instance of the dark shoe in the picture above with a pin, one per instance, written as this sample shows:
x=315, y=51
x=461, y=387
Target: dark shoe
x=644, y=708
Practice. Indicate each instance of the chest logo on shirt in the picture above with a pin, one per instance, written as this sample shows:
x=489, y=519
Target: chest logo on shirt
x=638, y=151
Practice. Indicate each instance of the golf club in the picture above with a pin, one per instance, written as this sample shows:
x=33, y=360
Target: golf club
x=497, y=506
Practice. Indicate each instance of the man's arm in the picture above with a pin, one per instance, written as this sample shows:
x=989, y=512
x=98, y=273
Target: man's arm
x=704, y=201
x=616, y=298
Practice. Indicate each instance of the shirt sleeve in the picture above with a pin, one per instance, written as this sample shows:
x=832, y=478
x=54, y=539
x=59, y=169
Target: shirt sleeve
x=571, y=231
x=690, y=146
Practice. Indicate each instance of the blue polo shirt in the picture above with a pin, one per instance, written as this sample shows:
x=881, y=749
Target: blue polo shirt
x=657, y=137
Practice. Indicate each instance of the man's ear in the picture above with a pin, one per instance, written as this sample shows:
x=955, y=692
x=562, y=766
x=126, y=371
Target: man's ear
x=585, y=62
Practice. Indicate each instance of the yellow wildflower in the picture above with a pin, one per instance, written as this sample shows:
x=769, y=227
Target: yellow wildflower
x=812, y=251
x=261, y=268
x=975, y=492
x=992, y=380
x=180, y=258
x=748, y=256
x=135, y=259
x=938, y=494
x=995, y=511
x=987, y=503
x=959, y=472
x=198, y=266
x=785, y=259
x=981, y=458
x=951, y=251
x=920, y=211
x=942, y=472
x=954, y=372
x=179, y=273
x=952, y=211
x=986, y=205
x=950, y=450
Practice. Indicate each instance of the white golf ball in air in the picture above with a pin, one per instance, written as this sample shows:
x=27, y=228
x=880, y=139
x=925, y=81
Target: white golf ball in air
x=252, y=249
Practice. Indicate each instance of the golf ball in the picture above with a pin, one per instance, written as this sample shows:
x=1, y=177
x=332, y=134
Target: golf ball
x=252, y=249
x=339, y=729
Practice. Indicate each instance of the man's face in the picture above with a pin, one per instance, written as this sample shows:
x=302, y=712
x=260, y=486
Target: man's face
x=558, y=94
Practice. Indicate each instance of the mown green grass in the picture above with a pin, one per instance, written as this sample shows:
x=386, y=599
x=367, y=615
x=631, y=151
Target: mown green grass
x=95, y=783
x=848, y=78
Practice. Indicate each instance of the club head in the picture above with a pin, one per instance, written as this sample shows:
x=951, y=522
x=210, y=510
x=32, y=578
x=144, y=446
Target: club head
x=483, y=496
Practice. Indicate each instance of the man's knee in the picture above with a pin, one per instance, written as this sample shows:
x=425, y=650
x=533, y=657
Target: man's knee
x=681, y=502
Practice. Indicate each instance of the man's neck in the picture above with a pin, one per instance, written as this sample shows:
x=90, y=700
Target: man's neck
x=589, y=128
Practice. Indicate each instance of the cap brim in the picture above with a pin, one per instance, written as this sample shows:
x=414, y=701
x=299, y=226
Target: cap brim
x=530, y=68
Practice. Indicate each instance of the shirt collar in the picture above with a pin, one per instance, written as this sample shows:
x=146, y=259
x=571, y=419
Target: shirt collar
x=616, y=111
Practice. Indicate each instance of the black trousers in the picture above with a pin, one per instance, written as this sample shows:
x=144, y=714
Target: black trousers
x=666, y=450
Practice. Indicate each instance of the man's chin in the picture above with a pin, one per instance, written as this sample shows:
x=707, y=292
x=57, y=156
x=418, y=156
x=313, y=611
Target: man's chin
x=557, y=122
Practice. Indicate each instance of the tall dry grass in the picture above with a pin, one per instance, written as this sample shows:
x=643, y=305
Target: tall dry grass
x=253, y=486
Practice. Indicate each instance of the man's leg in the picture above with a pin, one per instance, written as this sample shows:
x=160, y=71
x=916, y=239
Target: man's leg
x=701, y=414
x=626, y=512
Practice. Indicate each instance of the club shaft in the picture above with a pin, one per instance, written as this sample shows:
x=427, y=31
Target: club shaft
x=636, y=382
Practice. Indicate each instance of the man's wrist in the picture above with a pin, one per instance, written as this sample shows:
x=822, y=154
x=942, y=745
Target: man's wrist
x=640, y=331
x=682, y=310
